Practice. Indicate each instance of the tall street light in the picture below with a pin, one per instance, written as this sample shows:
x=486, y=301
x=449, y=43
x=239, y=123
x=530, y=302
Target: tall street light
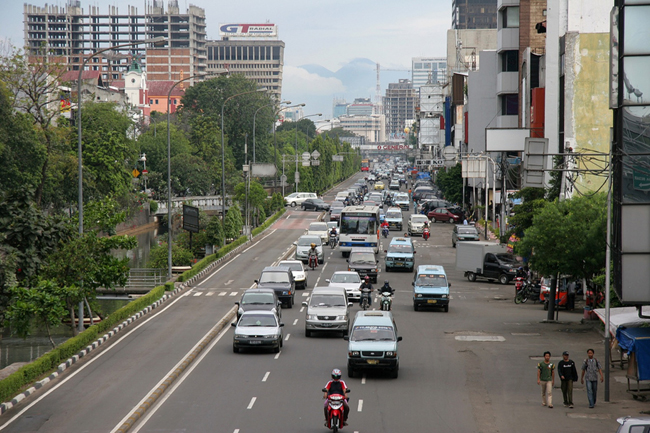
x=157, y=40
x=169, y=166
x=303, y=117
x=255, y=115
x=223, y=161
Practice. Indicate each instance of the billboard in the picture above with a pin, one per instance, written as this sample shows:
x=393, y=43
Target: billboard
x=248, y=30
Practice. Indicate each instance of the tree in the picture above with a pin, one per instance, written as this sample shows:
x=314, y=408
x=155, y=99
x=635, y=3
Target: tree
x=305, y=126
x=158, y=256
x=532, y=201
x=233, y=223
x=191, y=176
x=450, y=183
x=214, y=231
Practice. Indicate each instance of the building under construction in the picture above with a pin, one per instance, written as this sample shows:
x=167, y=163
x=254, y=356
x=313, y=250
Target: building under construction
x=69, y=34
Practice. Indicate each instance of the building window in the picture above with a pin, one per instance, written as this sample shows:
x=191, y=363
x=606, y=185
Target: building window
x=150, y=101
x=174, y=101
x=510, y=105
x=510, y=61
x=156, y=102
x=511, y=17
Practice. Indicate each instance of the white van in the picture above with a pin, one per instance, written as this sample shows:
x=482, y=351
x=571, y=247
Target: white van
x=297, y=198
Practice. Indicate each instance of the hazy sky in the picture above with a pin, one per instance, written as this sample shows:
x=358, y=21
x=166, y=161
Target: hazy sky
x=327, y=33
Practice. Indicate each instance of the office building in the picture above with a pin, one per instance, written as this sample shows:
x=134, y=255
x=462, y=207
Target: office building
x=372, y=127
x=473, y=14
x=423, y=68
x=399, y=106
x=360, y=107
x=339, y=107
x=69, y=34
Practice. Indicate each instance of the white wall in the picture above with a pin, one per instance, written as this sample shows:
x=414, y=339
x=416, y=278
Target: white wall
x=589, y=16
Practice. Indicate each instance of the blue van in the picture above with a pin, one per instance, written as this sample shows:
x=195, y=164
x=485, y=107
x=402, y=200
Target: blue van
x=400, y=254
x=373, y=343
x=430, y=287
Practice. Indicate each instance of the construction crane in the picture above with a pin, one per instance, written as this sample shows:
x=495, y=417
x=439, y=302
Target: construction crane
x=378, y=99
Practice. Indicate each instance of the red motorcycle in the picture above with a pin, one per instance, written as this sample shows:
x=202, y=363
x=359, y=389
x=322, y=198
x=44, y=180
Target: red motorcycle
x=313, y=261
x=335, y=410
x=426, y=234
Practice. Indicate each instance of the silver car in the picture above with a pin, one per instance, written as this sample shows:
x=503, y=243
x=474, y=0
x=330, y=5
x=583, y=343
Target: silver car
x=416, y=224
x=303, y=245
x=258, y=329
x=350, y=281
x=328, y=310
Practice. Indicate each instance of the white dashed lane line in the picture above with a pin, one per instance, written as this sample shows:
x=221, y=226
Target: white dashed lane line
x=198, y=293
x=222, y=294
x=277, y=355
x=266, y=376
x=287, y=337
x=233, y=293
x=209, y=294
x=295, y=322
x=250, y=405
x=360, y=406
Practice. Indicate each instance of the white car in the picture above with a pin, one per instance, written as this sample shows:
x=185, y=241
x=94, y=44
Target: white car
x=416, y=224
x=297, y=198
x=298, y=271
x=350, y=281
x=319, y=229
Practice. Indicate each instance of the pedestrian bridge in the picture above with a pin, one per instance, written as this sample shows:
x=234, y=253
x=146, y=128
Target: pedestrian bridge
x=211, y=204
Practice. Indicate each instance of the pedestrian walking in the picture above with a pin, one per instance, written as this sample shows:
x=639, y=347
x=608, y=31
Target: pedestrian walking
x=591, y=368
x=546, y=378
x=566, y=369
x=571, y=296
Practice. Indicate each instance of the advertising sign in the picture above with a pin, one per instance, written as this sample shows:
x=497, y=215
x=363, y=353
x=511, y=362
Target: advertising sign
x=190, y=218
x=248, y=30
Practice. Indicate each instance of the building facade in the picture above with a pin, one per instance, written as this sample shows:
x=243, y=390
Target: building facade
x=360, y=107
x=423, y=68
x=339, y=107
x=399, y=107
x=474, y=14
x=372, y=127
x=70, y=34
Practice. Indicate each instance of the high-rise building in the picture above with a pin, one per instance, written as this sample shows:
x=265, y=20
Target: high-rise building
x=339, y=107
x=399, y=106
x=69, y=34
x=372, y=126
x=252, y=50
x=473, y=14
x=424, y=67
x=360, y=107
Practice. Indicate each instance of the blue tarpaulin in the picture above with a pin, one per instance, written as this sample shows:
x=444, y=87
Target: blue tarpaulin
x=637, y=341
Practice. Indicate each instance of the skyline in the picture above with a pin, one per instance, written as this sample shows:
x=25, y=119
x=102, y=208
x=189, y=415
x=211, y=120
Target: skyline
x=330, y=35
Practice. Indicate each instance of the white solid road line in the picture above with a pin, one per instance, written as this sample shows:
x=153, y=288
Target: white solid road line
x=177, y=383
x=360, y=406
x=270, y=233
x=237, y=431
x=250, y=405
x=266, y=376
x=215, y=272
x=324, y=266
x=295, y=322
x=305, y=294
x=317, y=281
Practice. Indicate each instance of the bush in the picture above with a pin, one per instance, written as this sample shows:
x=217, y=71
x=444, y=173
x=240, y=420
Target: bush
x=159, y=253
x=153, y=206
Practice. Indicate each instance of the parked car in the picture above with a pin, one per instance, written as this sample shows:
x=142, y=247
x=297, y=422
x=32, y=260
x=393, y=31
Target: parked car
x=444, y=215
x=314, y=204
x=464, y=233
x=259, y=299
x=258, y=330
x=297, y=198
x=350, y=281
x=634, y=424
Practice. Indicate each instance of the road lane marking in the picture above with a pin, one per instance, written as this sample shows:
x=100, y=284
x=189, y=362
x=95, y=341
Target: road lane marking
x=236, y=430
x=317, y=281
x=250, y=405
x=177, y=382
x=525, y=334
x=480, y=338
x=198, y=293
x=287, y=337
x=363, y=379
x=277, y=356
x=295, y=322
x=266, y=376
x=307, y=294
x=222, y=267
x=222, y=294
x=209, y=294
x=233, y=294
x=360, y=406
x=229, y=282
x=324, y=266
x=302, y=309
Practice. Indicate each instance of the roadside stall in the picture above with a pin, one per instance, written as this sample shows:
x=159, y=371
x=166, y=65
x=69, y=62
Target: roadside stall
x=636, y=342
x=620, y=317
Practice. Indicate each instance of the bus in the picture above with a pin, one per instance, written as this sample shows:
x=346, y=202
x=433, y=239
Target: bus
x=359, y=227
x=365, y=165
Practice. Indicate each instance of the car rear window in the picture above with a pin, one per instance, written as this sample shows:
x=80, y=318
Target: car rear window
x=319, y=227
x=257, y=320
x=257, y=299
x=304, y=241
x=467, y=231
x=362, y=258
x=327, y=301
x=345, y=278
x=274, y=277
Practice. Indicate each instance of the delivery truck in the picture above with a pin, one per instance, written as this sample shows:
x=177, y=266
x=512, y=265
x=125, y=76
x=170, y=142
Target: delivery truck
x=486, y=260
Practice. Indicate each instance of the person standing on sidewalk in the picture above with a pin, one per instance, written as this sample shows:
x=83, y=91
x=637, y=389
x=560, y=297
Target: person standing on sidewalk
x=566, y=369
x=546, y=378
x=590, y=370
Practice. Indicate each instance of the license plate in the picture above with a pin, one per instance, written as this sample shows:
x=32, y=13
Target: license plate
x=431, y=301
x=373, y=361
x=255, y=342
x=399, y=263
x=325, y=325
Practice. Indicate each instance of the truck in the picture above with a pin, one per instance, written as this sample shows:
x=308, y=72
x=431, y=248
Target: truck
x=486, y=260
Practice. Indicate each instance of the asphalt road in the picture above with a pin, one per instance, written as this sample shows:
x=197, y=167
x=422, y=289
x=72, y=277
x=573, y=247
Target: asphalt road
x=451, y=379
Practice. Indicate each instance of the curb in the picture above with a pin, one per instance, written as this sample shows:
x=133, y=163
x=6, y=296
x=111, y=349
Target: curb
x=158, y=392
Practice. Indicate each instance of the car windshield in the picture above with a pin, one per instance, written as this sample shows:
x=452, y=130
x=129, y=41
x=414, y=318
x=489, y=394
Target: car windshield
x=401, y=197
x=467, y=231
x=507, y=258
x=346, y=278
x=362, y=258
x=393, y=214
x=293, y=266
x=431, y=280
x=405, y=248
x=419, y=219
x=318, y=227
x=257, y=320
x=360, y=225
x=274, y=277
x=327, y=301
x=257, y=299
x=305, y=241
x=372, y=333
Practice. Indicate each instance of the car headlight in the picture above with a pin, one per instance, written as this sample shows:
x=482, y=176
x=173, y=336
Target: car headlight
x=285, y=292
x=419, y=295
x=340, y=317
x=353, y=354
x=444, y=296
x=312, y=317
x=391, y=354
x=239, y=336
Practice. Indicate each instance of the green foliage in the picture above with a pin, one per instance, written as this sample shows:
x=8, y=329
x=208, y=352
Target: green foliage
x=533, y=201
x=214, y=231
x=233, y=223
x=153, y=206
x=555, y=182
x=304, y=126
x=158, y=256
x=191, y=176
x=450, y=182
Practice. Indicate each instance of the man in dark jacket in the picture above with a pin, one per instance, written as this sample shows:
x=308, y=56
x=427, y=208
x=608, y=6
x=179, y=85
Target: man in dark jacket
x=568, y=374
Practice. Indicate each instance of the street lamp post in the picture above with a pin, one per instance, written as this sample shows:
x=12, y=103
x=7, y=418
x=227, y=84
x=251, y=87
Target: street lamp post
x=255, y=115
x=303, y=117
x=223, y=160
x=169, y=166
x=79, y=141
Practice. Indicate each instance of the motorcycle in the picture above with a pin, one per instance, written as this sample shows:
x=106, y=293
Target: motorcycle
x=313, y=261
x=365, y=300
x=386, y=301
x=425, y=234
x=333, y=241
x=335, y=411
x=384, y=232
x=525, y=290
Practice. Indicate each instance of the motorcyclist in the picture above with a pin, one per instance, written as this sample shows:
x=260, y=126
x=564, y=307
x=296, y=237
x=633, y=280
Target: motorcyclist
x=333, y=232
x=521, y=273
x=386, y=288
x=337, y=386
x=366, y=290
x=313, y=252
